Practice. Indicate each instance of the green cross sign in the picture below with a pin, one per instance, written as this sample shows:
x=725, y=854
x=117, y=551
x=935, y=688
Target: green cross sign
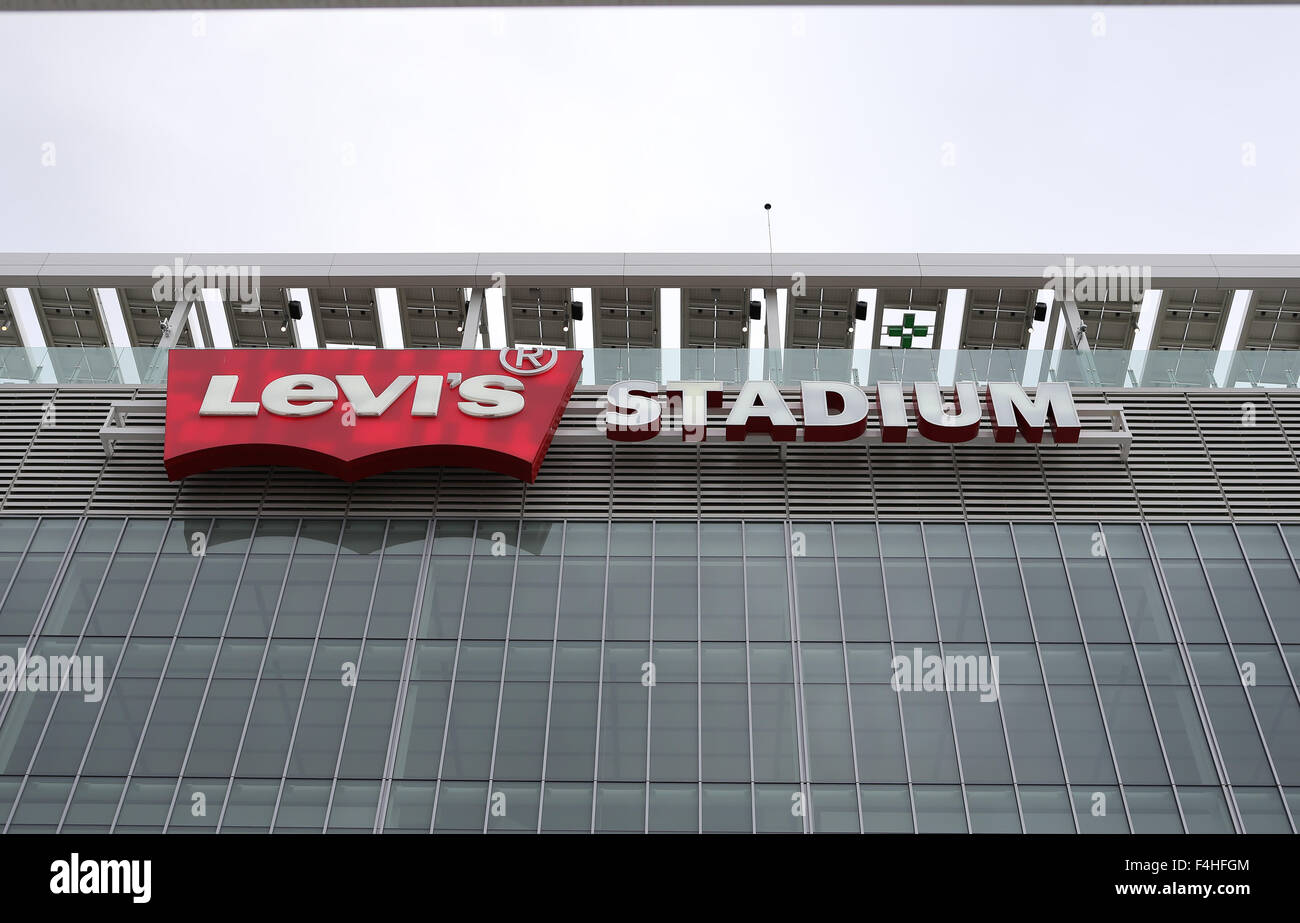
x=907, y=330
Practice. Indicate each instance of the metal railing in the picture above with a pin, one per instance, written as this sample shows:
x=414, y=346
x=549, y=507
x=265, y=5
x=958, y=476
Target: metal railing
x=1109, y=368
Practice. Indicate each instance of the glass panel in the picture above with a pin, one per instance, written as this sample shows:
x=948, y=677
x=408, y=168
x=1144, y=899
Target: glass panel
x=513, y=806
x=992, y=808
x=259, y=591
x=623, y=731
x=71, y=604
x=620, y=808
x=410, y=806
x=1133, y=736
x=775, y=755
x=462, y=807
x=1204, y=810
x=939, y=809
x=217, y=735
x=829, y=739
x=1099, y=809
x=444, y=598
x=927, y=725
x=470, y=729
x=877, y=732
x=1046, y=809
x=676, y=613
x=835, y=809
x=724, y=732
x=582, y=598
x=776, y=808
x=767, y=599
x=722, y=599
x=566, y=807
x=886, y=809
x=911, y=612
x=369, y=727
x=349, y=596
x=354, y=806
x=522, y=733
x=979, y=738
x=674, y=808
x=818, y=599
x=537, y=587
x=571, y=745
x=419, y=741
x=1083, y=738
x=674, y=732
x=320, y=729
x=270, y=727
x=1153, y=810
x=1261, y=810
x=487, y=603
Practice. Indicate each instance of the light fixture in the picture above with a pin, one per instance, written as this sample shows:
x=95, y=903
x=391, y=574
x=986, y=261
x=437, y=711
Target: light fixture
x=1040, y=311
x=755, y=310
x=284, y=328
x=575, y=310
x=460, y=328
x=295, y=310
x=860, y=310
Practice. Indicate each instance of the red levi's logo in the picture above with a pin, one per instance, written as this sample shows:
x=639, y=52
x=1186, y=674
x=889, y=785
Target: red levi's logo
x=353, y=413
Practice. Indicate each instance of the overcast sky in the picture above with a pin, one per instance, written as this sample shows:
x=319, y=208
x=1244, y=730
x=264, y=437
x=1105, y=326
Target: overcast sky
x=652, y=129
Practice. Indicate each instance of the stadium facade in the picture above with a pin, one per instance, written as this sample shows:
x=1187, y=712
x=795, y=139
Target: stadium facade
x=697, y=576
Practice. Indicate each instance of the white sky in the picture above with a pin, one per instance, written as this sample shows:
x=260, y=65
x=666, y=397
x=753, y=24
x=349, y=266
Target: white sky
x=652, y=129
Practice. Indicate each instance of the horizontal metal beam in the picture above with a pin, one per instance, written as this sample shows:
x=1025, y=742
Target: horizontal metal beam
x=672, y=270
x=111, y=5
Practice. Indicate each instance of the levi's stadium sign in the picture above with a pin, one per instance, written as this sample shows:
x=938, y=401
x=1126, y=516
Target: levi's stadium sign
x=353, y=413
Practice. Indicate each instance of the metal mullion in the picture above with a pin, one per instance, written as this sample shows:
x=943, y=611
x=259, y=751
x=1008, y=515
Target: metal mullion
x=938, y=633
x=1202, y=710
x=1259, y=728
x=40, y=740
x=848, y=681
x=404, y=682
x=600, y=676
x=455, y=669
x=256, y=681
x=1146, y=692
x=198, y=714
x=501, y=684
x=311, y=661
x=550, y=686
x=650, y=697
x=1042, y=667
x=902, y=723
x=352, y=697
x=103, y=702
x=1092, y=674
x=796, y=656
x=988, y=644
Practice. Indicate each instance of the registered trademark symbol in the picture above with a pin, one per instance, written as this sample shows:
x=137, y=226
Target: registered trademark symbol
x=532, y=355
